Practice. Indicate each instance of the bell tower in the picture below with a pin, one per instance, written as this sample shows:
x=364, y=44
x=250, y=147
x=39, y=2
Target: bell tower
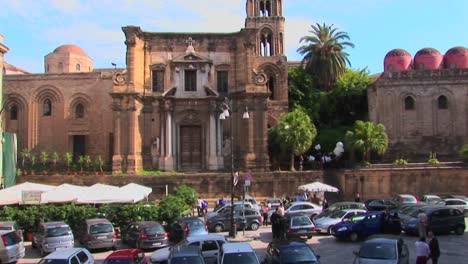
x=267, y=17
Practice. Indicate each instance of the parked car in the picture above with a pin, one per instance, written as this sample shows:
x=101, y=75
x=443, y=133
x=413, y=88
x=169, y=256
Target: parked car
x=11, y=226
x=69, y=256
x=126, y=256
x=11, y=246
x=359, y=226
x=251, y=200
x=186, y=226
x=299, y=226
x=404, y=211
x=145, y=235
x=383, y=250
x=210, y=246
x=273, y=202
x=404, y=198
x=340, y=206
x=459, y=204
x=441, y=219
x=240, y=252
x=380, y=205
x=227, y=207
x=290, y=251
x=185, y=254
x=248, y=218
x=307, y=208
x=457, y=196
x=97, y=233
x=52, y=236
x=325, y=224
x=431, y=199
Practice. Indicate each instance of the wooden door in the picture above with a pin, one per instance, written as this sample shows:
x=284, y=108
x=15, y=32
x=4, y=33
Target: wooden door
x=190, y=148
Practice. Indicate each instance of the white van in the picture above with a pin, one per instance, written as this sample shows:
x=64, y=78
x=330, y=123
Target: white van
x=69, y=256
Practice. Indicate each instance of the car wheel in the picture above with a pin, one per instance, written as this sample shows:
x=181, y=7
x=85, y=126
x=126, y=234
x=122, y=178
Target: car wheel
x=460, y=230
x=353, y=236
x=254, y=226
x=309, y=237
x=218, y=228
x=329, y=231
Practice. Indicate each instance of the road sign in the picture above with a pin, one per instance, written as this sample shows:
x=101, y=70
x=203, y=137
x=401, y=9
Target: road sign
x=247, y=183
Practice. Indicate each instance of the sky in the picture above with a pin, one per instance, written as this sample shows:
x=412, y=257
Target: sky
x=34, y=28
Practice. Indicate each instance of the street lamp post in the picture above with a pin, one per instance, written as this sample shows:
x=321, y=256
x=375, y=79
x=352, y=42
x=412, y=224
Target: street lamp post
x=227, y=112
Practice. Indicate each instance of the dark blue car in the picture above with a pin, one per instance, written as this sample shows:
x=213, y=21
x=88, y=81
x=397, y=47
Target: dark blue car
x=359, y=226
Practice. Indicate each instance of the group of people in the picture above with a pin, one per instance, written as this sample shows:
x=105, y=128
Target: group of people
x=278, y=223
x=202, y=207
x=390, y=223
x=427, y=249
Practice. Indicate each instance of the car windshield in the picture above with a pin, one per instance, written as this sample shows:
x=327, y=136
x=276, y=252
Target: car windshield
x=337, y=214
x=196, y=225
x=53, y=261
x=187, y=260
x=301, y=221
x=409, y=199
x=301, y=254
x=378, y=251
x=154, y=230
x=118, y=261
x=100, y=228
x=58, y=231
x=357, y=218
x=241, y=257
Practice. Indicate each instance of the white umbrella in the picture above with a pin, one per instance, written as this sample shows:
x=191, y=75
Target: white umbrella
x=139, y=192
x=62, y=194
x=317, y=187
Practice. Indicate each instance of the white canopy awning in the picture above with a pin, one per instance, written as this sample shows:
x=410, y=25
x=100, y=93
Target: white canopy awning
x=139, y=192
x=64, y=193
x=14, y=194
x=103, y=194
x=317, y=187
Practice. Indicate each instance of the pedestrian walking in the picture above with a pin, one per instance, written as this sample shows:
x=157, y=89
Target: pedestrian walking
x=264, y=211
x=274, y=224
x=199, y=206
x=422, y=251
x=422, y=224
x=433, y=247
x=324, y=204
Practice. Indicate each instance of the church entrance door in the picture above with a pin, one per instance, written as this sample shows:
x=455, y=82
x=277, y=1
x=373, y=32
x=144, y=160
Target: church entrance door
x=190, y=148
x=79, y=147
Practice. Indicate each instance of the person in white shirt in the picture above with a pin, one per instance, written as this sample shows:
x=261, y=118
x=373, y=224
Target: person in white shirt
x=422, y=224
x=422, y=251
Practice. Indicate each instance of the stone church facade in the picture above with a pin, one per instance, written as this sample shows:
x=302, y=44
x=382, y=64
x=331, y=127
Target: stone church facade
x=423, y=103
x=163, y=111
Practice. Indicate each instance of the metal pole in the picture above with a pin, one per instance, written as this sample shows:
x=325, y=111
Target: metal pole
x=233, y=229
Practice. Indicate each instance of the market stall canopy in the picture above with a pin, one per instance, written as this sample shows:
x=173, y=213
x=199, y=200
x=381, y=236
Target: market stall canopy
x=64, y=193
x=104, y=194
x=317, y=187
x=7, y=198
x=139, y=192
x=23, y=193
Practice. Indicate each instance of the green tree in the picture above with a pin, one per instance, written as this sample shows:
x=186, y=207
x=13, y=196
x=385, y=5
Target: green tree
x=68, y=158
x=188, y=195
x=170, y=208
x=295, y=133
x=367, y=137
x=324, y=55
x=55, y=158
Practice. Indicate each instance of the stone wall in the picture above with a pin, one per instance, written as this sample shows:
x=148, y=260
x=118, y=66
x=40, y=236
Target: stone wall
x=209, y=185
x=386, y=182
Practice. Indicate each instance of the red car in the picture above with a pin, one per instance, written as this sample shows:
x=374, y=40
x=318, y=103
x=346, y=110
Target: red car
x=126, y=256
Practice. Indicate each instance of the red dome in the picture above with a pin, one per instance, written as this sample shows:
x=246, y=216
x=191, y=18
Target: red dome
x=397, y=60
x=428, y=59
x=69, y=48
x=456, y=57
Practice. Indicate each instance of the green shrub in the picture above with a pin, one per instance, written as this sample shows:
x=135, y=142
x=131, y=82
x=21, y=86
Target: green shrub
x=400, y=161
x=433, y=159
x=188, y=195
x=464, y=152
x=170, y=208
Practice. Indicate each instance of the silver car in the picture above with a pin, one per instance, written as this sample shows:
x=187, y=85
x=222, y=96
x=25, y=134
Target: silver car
x=11, y=247
x=383, y=251
x=97, y=233
x=52, y=236
x=306, y=208
x=459, y=204
x=325, y=224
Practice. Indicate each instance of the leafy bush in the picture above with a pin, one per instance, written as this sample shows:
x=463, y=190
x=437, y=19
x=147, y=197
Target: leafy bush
x=464, y=153
x=400, y=161
x=433, y=159
x=187, y=194
x=170, y=208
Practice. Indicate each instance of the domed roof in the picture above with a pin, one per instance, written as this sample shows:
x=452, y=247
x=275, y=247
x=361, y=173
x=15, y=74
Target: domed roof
x=70, y=48
x=456, y=57
x=397, y=60
x=428, y=59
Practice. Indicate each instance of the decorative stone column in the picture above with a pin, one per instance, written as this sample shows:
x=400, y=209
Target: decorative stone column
x=117, y=157
x=134, y=159
x=167, y=158
x=212, y=134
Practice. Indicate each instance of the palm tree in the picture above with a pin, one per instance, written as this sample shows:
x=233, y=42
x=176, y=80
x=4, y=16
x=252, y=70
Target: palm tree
x=324, y=54
x=295, y=133
x=367, y=137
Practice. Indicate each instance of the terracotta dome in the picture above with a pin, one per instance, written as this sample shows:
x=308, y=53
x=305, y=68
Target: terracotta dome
x=428, y=59
x=456, y=57
x=69, y=48
x=397, y=60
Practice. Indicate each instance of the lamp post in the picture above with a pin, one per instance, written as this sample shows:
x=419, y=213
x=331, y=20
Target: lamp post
x=227, y=112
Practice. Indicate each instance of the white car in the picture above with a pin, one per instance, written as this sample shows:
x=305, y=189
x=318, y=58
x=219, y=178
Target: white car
x=459, y=204
x=69, y=256
x=241, y=252
x=325, y=224
x=210, y=246
x=306, y=208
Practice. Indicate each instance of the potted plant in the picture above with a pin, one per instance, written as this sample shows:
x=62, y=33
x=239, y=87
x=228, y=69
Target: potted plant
x=68, y=158
x=55, y=159
x=44, y=158
x=81, y=161
x=87, y=162
x=99, y=162
x=33, y=162
x=433, y=159
x=25, y=154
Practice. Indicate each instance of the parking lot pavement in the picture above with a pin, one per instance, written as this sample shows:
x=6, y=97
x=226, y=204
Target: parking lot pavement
x=453, y=247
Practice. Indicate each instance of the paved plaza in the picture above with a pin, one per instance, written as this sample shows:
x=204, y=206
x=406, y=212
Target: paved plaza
x=453, y=247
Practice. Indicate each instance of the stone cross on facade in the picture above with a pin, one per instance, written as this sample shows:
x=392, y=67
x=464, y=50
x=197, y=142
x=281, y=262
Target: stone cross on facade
x=190, y=42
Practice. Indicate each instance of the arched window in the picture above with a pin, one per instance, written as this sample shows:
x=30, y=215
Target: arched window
x=409, y=103
x=78, y=67
x=266, y=43
x=14, y=112
x=47, y=108
x=271, y=87
x=442, y=102
x=79, y=111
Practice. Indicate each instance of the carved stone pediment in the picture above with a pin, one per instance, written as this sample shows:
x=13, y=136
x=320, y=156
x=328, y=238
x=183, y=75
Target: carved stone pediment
x=191, y=117
x=192, y=58
x=170, y=92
